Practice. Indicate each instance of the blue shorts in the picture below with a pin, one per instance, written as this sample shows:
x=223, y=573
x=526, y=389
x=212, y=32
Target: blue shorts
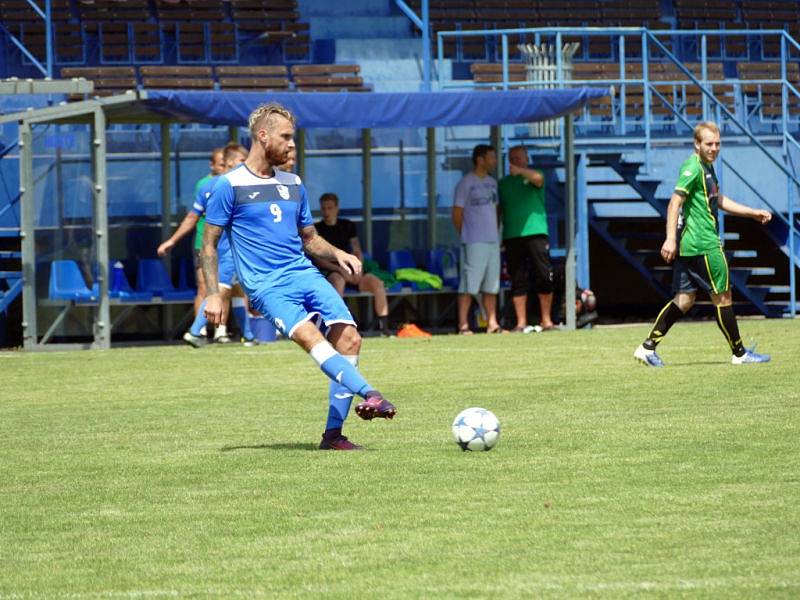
x=226, y=270
x=302, y=295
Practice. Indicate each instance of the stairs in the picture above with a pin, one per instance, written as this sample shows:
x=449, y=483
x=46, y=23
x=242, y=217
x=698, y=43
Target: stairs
x=758, y=256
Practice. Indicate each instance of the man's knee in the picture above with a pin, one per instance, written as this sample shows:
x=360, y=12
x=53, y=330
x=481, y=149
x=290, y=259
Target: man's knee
x=345, y=338
x=684, y=301
x=723, y=299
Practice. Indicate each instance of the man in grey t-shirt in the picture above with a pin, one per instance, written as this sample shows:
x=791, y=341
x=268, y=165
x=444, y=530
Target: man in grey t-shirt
x=475, y=218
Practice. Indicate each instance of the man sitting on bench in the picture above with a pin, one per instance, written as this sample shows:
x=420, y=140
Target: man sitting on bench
x=342, y=234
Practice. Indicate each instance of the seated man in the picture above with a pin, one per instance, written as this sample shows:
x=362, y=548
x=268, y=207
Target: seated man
x=341, y=233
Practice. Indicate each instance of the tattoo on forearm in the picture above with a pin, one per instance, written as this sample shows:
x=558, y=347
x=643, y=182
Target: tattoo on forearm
x=315, y=245
x=210, y=259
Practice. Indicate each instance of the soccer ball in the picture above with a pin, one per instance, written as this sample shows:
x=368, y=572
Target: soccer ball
x=588, y=300
x=476, y=429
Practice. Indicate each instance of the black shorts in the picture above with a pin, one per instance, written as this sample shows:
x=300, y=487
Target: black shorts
x=708, y=272
x=525, y=254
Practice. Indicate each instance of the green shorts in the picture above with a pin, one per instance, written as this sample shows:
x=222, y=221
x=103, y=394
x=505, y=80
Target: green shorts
x=705, y=271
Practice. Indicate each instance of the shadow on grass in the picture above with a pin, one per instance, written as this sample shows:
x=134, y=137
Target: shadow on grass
x=281, y=446
x=698, y=363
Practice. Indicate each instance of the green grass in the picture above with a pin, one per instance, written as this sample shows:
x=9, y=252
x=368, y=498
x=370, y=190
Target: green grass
x=168, y=472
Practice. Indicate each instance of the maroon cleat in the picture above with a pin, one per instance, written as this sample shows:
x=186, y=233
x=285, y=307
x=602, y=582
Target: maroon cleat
x=339, y=443
x=375, y=406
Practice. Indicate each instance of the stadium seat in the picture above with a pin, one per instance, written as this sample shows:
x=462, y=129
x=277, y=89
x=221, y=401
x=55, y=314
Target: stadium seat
x=67, y=283
x=120, y=288
x=402, y=259
x=152, y=277
x=444, y=263
x=186, y=275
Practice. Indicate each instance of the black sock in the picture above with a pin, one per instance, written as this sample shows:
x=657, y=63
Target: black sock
x=666, y=319
x=383, y=323
x=332, y=434
x=730, y=329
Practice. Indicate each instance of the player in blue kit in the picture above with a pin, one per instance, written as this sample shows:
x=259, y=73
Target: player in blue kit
x=233, y=156
x=265, y=215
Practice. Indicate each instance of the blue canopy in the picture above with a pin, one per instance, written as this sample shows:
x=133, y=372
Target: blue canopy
x=362, y=110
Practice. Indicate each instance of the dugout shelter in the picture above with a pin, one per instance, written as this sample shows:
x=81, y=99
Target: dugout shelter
x=429, y=110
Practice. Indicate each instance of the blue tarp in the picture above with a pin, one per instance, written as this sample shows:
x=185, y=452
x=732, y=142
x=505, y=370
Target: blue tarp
x=363, y=110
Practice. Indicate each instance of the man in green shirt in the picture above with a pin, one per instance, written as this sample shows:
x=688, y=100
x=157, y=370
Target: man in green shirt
x=525, y=237
x=693, y=243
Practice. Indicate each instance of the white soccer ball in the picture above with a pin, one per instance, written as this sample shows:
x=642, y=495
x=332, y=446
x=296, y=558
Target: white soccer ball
x=476, y=429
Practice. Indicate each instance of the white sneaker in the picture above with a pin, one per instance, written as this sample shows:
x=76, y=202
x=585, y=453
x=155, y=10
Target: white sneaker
x=648, y=357
x=750, y=356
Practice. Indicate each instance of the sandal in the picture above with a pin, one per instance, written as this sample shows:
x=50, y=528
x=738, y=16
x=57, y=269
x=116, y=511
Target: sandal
x=465, y=331
x=497, y=329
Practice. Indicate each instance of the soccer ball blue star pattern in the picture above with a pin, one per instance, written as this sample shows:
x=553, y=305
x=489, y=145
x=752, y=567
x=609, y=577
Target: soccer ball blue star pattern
x=476, y=429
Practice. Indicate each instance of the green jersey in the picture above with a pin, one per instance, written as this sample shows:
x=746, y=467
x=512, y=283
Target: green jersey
x=201, y=223
x=698, y=225
x=523, y=207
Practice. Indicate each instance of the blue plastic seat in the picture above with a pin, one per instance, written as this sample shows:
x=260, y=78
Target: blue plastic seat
x=152, y=277
x=186, y=275
x=120, y=288
x=402, y=259
x=444, y=263
x=67, y=283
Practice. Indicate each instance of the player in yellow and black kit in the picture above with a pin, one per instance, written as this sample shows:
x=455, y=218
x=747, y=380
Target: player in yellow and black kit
x=699, y=259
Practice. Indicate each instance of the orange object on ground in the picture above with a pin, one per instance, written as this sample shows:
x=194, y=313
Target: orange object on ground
x=410, y=330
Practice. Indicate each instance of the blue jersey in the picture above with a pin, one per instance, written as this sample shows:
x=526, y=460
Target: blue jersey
x=262, y=216
x=200, y=207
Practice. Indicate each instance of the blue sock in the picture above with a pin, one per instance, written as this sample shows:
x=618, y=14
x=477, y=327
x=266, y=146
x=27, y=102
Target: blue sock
x=242, y=318
x=339, y=399
x=200, y=321
x=339, y=369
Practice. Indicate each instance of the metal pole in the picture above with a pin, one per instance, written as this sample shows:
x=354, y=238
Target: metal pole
x=430, y=137
x=569, y=166
x=496, y=136
x=27, y=233
x=426, y=48
x=102, y=320
x=792, y=251
x=300, y=153
x=166, y=209
x=645, y=70
x=233, y=134
x=366, y=182
x=48, y=32
x=583, y=223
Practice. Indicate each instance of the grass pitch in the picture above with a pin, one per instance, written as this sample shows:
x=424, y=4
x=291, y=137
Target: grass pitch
x=170, y=472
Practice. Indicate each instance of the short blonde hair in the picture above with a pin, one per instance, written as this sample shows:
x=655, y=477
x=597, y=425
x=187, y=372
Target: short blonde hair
x=704, y=126
x=267, y=111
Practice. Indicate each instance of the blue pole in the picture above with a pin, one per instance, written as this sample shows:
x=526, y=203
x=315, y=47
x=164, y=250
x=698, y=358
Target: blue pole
x=426, y=48
x=48, y=32
x=622, y=87
x=792, y=251
x=647, y=141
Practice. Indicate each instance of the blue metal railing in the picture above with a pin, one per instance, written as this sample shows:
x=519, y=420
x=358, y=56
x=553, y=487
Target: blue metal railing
x=47, y=68
x=650, y=89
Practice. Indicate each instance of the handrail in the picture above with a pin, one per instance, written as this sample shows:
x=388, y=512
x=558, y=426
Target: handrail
x=725, y=162
x=727, y=112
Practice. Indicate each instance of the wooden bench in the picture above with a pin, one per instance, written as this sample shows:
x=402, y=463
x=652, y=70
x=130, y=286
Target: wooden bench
x=171, y=77
x=492, y=73
x=253, y=77
x=328, y=78
x=107, y=80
